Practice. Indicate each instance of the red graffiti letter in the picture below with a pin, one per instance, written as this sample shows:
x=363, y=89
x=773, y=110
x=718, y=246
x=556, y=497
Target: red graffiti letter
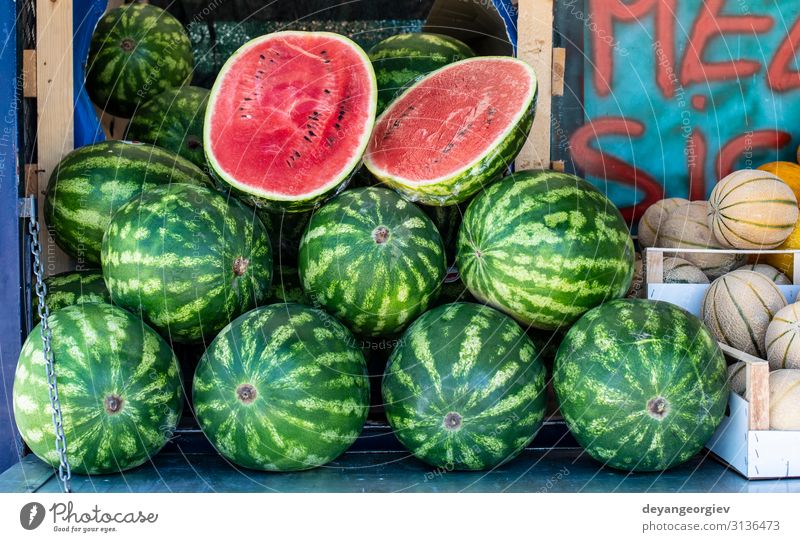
x=606, y=166
x=780, y=76
x=739, y=145
x=710, y=24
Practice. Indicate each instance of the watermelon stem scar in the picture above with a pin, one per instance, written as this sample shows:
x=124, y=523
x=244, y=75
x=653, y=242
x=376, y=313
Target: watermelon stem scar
x=452, y=421
x=381, y=234
x=240, y=266
x=128, y=45
x=113, y=404
x=658, y=408
x=246, y=393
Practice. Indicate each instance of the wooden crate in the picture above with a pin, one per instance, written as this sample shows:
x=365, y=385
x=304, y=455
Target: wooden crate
x=48, y=77
x=743, y=440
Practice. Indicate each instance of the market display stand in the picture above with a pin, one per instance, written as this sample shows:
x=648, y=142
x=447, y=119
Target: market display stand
x=743, y=439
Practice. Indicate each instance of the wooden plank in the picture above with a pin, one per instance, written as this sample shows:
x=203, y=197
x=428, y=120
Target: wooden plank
x=54, y=130
x=29, y=73
x=535, y=46
x=31, y=179
x=654, y=266
x=559, y=64
x=758, y=395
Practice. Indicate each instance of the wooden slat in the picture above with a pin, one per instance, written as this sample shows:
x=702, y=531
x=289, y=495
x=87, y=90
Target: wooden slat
x=54, y=106
x=29, y=73
x=535, y=46
x=31, y=179
x=559, y=63
x=654, y=266
x=558, y=165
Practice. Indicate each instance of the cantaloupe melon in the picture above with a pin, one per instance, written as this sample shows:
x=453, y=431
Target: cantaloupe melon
x=784, y=262
x=784, y=400
x=752, y=209
x=788, y=172
x=653, y=218
x=679, y=271
x=738, y=308
x=768, y=271
x=783, y=339
x=687, y=227
x=737, y=377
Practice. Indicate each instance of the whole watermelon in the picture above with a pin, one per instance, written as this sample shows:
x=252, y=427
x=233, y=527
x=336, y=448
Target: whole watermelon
x=544, y=247
x=402, y=58
x=119, y=386
x=464, y=388
x=174, y=120
x=641, y=384
x=91, y=183
x=285, y=230
x=74, y=288
x=372, y=259
x=188, y=259
x=282, y=388
x=137, y=52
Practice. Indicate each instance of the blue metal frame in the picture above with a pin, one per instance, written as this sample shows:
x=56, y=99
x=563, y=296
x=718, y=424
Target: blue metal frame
x=10, y=230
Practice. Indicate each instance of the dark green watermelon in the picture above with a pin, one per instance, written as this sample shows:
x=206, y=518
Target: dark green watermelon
x=119, y=387
x=74, y=288
x=642, y=384
x=174, y=120
x=405, y=57
x=137, y=52
x=283, y=388
x=464, y=388
x=91, y=183
x=188, y=259
x=544, y=247
x=372, y=259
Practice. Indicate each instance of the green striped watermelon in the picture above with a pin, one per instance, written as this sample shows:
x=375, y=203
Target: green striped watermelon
x=286, y=287
x=402, y=58
x=74, y=288
x=282, y=388
x=641, y=384
x=454, y=131
x=544, y=247
x=119, y=386
x=137, y=52
x=285, y=231
x=464, y=388
x=448, y=222
x=174, y=120
x=372, y=259
x=187, y=259
x=92, y=182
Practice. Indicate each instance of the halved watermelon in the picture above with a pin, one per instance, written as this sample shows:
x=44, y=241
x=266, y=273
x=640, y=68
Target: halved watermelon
x=455, y=130
x=289, y=117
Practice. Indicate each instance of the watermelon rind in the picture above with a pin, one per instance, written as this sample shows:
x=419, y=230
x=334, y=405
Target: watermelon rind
x=544, y=247
x=271, y=201
x=159, y=58
x=119, y=387
x=91, y=183
x=484, y=169
x=282, y=388
x=187, y=259
x=464, y=388
x=642, y=385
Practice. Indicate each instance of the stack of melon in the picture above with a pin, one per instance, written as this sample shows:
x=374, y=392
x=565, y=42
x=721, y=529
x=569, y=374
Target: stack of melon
x=748, y=210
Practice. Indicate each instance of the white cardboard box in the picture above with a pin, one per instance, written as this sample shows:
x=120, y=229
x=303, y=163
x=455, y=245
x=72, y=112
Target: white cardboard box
x=743, y=440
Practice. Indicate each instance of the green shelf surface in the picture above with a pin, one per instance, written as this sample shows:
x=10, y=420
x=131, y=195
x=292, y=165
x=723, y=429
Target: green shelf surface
x=558, y=470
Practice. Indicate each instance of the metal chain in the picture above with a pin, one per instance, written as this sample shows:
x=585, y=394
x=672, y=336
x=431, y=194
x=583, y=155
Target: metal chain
x=64, y=472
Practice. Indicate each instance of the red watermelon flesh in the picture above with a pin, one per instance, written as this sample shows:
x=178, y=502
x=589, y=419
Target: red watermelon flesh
x=454, y=129
x=290, y=115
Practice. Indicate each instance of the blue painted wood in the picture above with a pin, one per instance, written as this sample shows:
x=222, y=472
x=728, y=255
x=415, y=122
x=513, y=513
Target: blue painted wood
x=11, y=268
x=85, y=14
